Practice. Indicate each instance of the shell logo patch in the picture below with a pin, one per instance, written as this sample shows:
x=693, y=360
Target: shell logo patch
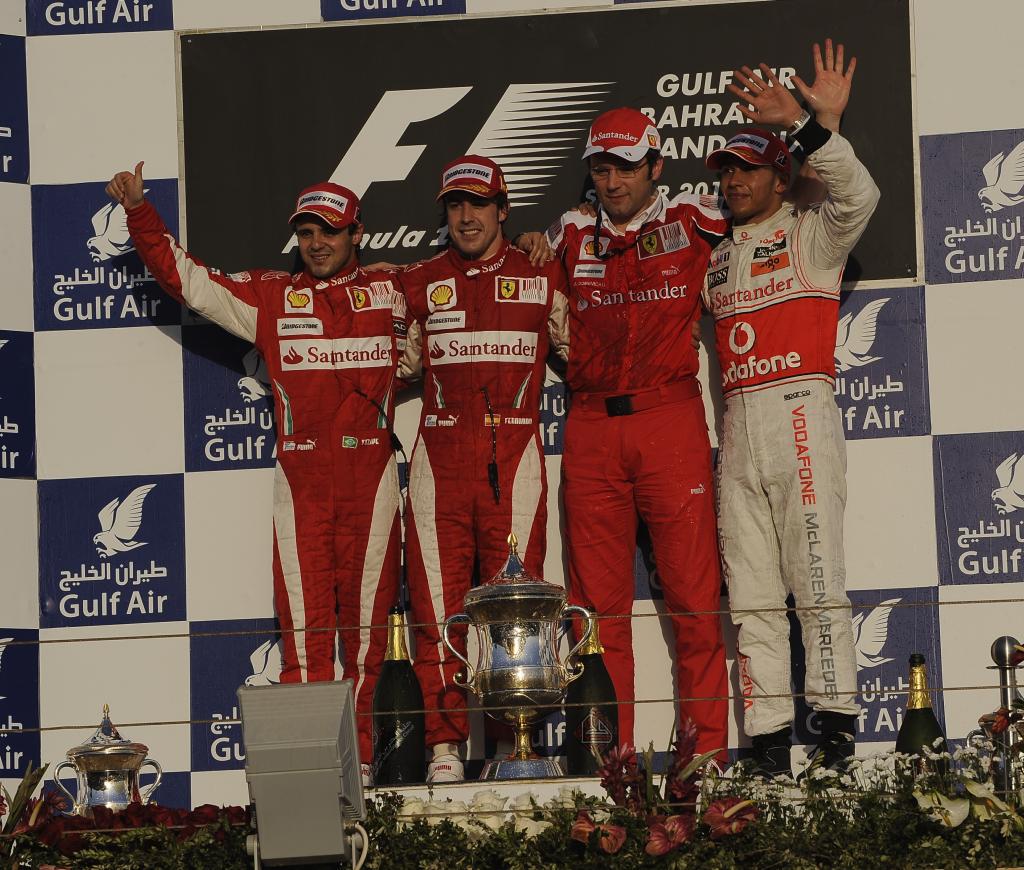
x=298, y=300
x=441, y=295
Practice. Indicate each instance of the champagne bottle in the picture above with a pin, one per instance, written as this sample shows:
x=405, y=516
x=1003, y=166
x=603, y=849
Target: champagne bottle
x=920, y=728
x=399, y=739
x=591, y=714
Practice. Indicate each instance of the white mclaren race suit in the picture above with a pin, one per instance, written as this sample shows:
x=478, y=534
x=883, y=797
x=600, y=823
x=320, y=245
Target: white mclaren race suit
x=773, y=289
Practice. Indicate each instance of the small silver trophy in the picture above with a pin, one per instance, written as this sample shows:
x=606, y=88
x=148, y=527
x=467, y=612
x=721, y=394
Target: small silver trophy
x=107, y=768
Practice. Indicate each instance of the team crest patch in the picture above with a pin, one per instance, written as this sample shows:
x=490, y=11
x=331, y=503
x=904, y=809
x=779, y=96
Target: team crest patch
x=663, y=240
x=534, y=290
x=360, y=298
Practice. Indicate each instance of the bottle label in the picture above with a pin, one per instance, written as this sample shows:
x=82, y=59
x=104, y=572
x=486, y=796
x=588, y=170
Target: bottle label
x=382, y=751
x=595, y=730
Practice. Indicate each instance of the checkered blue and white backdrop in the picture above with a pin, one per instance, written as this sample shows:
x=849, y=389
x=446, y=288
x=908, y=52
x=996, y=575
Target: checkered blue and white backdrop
x=109, y=393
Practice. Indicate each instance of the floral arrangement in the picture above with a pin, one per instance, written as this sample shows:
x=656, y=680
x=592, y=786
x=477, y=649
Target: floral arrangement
x=881, y=811
x=36, y=832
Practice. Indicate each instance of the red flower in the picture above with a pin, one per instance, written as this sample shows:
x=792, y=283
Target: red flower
x=997, y=722
x=729, y=816
x=609, y=837
x=207, y=814
x=619, y=772
x=582, y=827
x=669, y=834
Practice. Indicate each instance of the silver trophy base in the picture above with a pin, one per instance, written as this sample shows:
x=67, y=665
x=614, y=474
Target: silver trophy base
x=522, y=768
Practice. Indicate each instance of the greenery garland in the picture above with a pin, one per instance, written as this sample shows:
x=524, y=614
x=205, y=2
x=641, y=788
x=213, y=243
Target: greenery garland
x=878, y=813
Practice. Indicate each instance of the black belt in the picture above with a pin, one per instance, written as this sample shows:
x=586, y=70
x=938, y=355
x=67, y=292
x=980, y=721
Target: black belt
x=632, y=403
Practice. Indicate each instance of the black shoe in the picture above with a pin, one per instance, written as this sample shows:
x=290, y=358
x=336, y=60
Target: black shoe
x=771, y=754
x=836, y=747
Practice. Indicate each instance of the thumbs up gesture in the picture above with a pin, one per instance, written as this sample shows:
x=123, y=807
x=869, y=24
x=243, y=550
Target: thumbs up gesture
x=126, y=187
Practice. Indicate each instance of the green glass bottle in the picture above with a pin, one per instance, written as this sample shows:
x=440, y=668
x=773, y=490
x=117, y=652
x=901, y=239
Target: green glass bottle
x=920, y=729
x=399, y=737
x=591, y=714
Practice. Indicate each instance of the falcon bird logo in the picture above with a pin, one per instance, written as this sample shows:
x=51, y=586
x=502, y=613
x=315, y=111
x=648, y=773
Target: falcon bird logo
x=266, y=665
x=1004, y=180
x=110, y=236
x=256, y=383
x=855, y=337
x=1009, y=496
x=119, y=523
x=870, y=634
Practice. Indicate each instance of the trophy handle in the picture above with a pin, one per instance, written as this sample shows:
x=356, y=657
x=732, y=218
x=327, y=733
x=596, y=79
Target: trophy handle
x=574, y=669
x=144, y=797
x=470, y=670
x=62, y=787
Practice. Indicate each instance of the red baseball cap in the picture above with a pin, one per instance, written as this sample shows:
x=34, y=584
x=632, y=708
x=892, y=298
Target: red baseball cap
x=755, y=146
x=626, y=133
x=473, y=174
x=331, y=202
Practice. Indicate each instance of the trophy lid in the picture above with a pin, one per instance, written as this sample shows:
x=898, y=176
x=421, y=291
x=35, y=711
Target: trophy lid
x=514, y=581
x=106, y=741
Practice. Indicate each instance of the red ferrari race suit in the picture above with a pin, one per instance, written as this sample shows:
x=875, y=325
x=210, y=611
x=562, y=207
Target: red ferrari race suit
x=331, y=351
x=773, y=289
x=636, y=441
x=477, y=471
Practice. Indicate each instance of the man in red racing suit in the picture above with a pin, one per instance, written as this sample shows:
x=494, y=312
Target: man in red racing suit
x=773, y=289
x=636, y=439
x=482, y=318
x=330, y=336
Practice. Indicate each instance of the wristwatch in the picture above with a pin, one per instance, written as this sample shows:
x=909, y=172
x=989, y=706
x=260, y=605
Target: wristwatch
x=798, y=124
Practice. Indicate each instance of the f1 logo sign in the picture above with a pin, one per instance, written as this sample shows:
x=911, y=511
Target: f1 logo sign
x=375, y=154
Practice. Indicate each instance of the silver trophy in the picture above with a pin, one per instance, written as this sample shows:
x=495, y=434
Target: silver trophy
x=107, y=769
x=518, y=672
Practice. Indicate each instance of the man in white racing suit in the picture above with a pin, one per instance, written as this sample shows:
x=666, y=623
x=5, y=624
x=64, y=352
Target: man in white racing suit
x=773, y=289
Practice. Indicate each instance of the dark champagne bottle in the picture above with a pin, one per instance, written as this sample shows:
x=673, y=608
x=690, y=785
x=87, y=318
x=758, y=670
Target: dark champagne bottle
x=591, y=714
x=920, y=728
x=399, y=739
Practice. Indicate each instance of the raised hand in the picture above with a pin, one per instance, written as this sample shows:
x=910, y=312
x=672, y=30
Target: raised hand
x=127, y=187
x=830, y=93
x=764, y=99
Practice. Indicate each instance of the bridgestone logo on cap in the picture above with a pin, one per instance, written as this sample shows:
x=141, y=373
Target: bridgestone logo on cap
x=754, y=143
x=460, y=170
x=320, y=197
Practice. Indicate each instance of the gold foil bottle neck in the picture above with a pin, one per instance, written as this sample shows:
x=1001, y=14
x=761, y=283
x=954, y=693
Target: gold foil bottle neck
x=918, y=698
x=593, y=645
x=397, y=650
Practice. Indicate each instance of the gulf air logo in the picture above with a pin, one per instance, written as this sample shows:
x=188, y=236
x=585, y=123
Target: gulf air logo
x=741, y=337
x=1009, y=495
x=870, y=632
x=855, y=337
x=119, y=522
x=1003, y=175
